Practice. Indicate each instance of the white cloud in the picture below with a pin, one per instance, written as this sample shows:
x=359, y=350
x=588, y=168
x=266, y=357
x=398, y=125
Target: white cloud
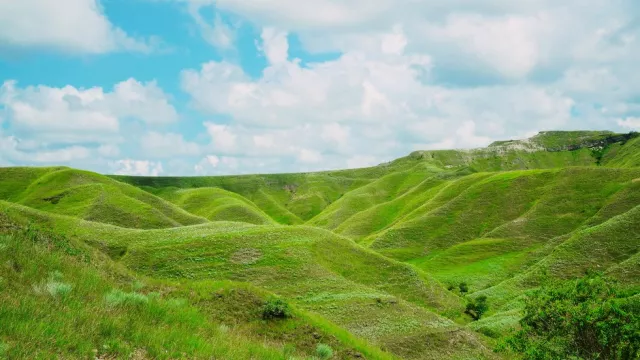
x=61, y=155
x=222, y=137
x=219, y=33
x=224, y=165
x=289, y=92
x=630, y=123
x=14, y=151
x=137, y=167
x=108, y=150
x=144, y=101
x=375, y=102
x=336, y=133
x=512, y=38
x=157, y=145
x=309, y=156
x=77, y=26
x=73, y=115
x=509, y=44
x=360, y=161
x=275, y=46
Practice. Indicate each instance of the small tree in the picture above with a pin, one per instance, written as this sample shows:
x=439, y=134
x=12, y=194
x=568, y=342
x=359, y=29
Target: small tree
x=476, y=308
x=464, y=288
x=588, y=318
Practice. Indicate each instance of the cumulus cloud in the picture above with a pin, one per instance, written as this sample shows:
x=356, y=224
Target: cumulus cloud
x=108, y=151
x=401, y=75
x=14, y=151
x=136, y=167
x=376, y=102
x=309, y=156
x=223, y=138
x=77, y=26
x=360, y=161
x=87, y=127
x=160, y=145
x=224, y=165
x=218, y=33
x=507, y=37
x=630, y=123
x=289, y=93
x=71, y=115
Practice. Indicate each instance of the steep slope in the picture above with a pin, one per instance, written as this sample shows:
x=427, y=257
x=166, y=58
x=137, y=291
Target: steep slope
x=91, y=196
x=379, y=191
x=62, y=299
x=286, y=198
x=625, y=154
x=217, y=205
x=497, y=224
x=388, y=303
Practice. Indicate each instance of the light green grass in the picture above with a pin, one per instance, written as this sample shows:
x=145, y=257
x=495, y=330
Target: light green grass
x=93, y=197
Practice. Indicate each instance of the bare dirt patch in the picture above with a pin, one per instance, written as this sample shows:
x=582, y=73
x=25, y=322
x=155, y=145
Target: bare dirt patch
x=246, y=256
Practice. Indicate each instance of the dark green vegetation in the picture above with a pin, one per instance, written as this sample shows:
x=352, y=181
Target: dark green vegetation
x=590, y=318
x=430, y=256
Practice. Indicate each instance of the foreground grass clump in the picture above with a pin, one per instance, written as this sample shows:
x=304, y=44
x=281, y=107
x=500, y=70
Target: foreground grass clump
x=588, y=318
x=324, y=351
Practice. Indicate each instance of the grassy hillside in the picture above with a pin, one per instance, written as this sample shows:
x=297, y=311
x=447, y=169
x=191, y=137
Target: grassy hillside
x=216, y=204
x=370, y=260
x=90, y=196
x=380, y=300
x=60, y=298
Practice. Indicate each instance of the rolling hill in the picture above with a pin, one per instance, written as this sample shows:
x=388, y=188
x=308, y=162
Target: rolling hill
x=368, y=259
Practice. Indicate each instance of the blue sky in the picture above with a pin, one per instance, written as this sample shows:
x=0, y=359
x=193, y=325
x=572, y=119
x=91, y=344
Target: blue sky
x=206, y=87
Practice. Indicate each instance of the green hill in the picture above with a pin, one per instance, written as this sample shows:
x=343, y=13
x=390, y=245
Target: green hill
x=370, y=260
x=377, y=299
x=217, y=205
x=90, y=196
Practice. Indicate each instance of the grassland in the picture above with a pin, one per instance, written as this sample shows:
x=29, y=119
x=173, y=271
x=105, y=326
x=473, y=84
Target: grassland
x=368, y=259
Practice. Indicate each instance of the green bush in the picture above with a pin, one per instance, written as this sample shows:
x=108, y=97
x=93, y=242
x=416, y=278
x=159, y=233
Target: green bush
x=275, y=308
x=588, y=318
x=464, y=288
x=476, y=308
x=324, y=351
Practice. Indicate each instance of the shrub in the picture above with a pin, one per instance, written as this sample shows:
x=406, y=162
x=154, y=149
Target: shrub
x=476, y=308
x=464, y=288
x=119, y=297
x=588, y=318
x=275, y=308
x=324, y=351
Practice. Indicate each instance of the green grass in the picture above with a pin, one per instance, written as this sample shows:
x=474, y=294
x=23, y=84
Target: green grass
x=217, y=205
x=363, y=257
x=92, y=197
x=312, y=268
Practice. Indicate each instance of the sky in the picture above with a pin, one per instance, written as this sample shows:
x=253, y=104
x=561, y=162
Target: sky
x=211, y=87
